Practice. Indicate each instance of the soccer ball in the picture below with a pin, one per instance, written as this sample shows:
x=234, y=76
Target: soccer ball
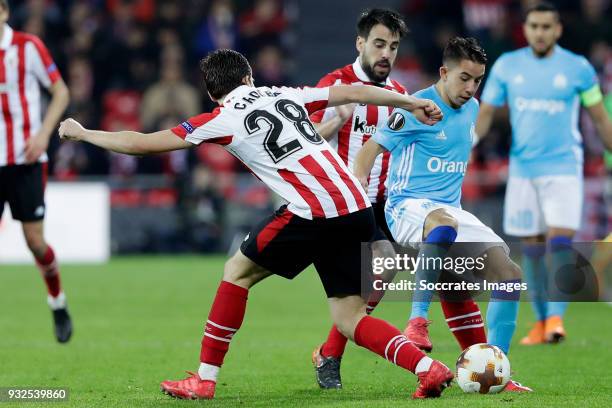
x=483, y=368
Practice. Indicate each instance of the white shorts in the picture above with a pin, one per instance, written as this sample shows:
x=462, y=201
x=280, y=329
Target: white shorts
x=406, y=222
x=534, y=205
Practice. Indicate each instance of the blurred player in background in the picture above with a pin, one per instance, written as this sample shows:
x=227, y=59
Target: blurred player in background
x=428, y=164
x=327, y=218
x=24, y=64
x=543, y=86
x=602, y=255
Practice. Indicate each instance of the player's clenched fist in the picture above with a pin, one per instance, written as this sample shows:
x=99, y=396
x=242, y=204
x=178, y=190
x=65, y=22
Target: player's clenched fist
x=70, y=129
x=427, y=112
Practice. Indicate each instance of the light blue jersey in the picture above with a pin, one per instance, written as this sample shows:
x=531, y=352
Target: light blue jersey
x=543, y=95
x=428, y=161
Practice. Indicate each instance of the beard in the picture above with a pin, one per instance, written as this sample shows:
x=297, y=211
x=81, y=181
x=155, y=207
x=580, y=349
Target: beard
x=543, y=52
x=369, y=70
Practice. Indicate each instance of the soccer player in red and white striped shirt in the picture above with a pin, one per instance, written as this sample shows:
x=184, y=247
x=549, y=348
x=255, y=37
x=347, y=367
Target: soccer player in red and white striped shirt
x=25, y=64
x=347, y=128
x=327, y=217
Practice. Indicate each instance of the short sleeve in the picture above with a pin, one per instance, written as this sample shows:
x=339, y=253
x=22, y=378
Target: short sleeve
x=588, y=84
x=401, y=127
x=42, y=66
x=495, y=92
x=210, y=127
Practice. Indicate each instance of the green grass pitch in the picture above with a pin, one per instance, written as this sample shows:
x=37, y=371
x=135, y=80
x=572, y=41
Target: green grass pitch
x=139, y=321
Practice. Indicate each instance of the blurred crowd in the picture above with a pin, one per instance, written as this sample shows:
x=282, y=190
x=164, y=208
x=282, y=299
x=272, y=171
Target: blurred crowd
x=133, y=64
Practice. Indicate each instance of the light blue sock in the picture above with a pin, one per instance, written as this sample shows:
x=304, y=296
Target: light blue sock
x=436, y=245
x=534, y=268
x=501, y=316
x=561, y=256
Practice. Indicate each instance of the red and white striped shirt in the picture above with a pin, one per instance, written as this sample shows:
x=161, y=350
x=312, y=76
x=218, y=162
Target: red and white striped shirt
x=24, y=64
x=269, y=130
x=361, y=126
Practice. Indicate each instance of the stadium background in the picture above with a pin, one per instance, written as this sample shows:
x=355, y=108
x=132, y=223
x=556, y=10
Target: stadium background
x=138, y=319
x=133, y=64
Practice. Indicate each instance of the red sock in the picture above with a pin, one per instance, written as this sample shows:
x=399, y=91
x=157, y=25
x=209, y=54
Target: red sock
x=224, y=320
x=50, y=272
x=385, y=340
x=465, y=322
x=336, y=342
x=374, y=299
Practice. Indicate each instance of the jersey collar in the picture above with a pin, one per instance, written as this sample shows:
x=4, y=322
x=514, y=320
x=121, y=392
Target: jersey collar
x=363, y=77
x=552, y=55
x=7, y=37
x=228, y=98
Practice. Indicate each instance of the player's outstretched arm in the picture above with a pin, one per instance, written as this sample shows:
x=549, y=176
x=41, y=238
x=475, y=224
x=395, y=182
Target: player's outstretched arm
x=602, y=122
x=483, y=123
x=127, y=142
x=425, y=110
x=366, y=156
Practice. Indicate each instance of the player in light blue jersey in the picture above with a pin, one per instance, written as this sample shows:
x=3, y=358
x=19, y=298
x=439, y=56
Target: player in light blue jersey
x=423, y=209
x=543, y=85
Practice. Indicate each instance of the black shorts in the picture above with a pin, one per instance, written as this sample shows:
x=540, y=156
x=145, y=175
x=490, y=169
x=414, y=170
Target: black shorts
x=23, y=187
x=286, y=244
x=382, y=229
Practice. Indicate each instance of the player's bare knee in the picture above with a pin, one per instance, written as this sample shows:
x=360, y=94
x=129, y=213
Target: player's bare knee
x=560, y=232
x=508, y=270
x=438, y=218
x=538, y=239
x=243, y=272
x=499, y=266
x=36, y=244
x=382, y=250
x=235, y=271
x=513, y=271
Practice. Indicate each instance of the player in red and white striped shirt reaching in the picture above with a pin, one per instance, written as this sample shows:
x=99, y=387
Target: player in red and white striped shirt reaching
x=379, y=32
x=327, y=217
x=25, y=63
x=347, y=128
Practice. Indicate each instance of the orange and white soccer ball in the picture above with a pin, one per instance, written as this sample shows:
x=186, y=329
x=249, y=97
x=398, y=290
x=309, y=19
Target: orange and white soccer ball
x=483, y=368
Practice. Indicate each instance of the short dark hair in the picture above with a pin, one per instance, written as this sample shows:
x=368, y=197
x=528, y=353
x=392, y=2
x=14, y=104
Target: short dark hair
x=223, y=71
x=389, y=18
x=543, y=6
x=460, y=48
